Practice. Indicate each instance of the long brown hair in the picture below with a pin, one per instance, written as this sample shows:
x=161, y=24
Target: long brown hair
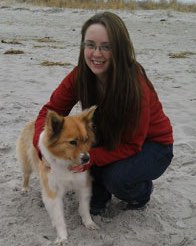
x=120, y=108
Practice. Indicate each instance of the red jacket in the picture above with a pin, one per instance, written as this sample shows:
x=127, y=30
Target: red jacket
x=154, y=124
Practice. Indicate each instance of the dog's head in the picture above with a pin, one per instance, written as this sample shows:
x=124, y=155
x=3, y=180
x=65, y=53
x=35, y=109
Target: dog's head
x=70, y=138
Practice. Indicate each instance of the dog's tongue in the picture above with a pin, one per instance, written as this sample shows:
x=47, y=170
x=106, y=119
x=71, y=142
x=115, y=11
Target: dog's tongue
x=78, y=168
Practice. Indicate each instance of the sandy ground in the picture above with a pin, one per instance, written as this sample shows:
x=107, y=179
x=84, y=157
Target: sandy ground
x=165, y=45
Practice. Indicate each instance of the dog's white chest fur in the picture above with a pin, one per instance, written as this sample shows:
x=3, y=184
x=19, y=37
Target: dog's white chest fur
x=65, y=180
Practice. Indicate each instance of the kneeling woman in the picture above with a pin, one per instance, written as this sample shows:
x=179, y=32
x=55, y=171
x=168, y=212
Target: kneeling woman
x=134, y=140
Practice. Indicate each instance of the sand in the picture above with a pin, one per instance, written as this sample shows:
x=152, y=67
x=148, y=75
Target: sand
x=36, y=37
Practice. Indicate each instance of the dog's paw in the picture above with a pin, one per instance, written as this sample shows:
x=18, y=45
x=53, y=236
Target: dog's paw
x=25, y=190
x=61, y=242
x=91, y=225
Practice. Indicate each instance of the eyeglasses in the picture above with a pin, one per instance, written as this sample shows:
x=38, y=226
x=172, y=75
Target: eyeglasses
x=92, y=46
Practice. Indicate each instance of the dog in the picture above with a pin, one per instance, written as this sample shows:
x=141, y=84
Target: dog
x=64, y=143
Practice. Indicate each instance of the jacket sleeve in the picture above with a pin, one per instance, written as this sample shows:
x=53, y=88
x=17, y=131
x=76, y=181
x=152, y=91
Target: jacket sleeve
x=101, y=156
x=61, y=101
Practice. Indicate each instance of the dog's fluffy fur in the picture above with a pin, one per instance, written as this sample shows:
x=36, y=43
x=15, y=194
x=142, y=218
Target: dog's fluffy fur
x=64, y=142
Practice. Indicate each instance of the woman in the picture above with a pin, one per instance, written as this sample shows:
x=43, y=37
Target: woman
x=134, y=141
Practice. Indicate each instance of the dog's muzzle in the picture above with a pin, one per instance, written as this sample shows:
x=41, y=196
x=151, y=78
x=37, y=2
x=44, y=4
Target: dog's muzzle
x=84, y=157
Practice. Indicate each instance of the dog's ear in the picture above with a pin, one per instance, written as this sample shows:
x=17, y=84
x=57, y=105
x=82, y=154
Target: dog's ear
x=87, y=114
x=54, y=124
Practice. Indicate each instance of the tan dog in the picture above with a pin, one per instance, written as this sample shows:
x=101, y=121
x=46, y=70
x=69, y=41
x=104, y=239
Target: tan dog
x=64, y=142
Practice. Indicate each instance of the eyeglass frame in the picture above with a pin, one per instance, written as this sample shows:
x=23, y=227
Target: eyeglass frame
x=93, y=46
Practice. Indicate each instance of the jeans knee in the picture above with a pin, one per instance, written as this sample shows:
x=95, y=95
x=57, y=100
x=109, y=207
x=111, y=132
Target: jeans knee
x=127, y=191
x=115, y=183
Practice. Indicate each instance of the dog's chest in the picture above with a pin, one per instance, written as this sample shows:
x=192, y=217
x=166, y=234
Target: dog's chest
x=67, y=180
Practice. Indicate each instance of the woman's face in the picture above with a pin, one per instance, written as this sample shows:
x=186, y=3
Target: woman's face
x=97, y=53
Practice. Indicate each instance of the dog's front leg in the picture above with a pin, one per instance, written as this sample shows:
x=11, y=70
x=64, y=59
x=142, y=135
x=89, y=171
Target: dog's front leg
x=52, y=197
x=84, y=195
x=54, y=205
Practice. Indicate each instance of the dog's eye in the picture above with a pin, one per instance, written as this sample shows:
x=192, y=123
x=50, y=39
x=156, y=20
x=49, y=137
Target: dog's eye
x=73, y=142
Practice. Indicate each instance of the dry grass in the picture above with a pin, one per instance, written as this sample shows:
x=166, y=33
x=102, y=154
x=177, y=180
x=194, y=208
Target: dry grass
x=116, y=4
x=172, y=4
x=183, y=54
x=51, y=63
x=10, y=42
x=48, y=46
x=45, y=40
x=13, y=52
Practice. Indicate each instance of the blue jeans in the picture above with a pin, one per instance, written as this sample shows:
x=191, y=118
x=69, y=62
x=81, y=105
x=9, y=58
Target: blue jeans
x=131, y=179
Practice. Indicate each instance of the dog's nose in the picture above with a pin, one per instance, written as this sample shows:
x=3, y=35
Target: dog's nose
x=85, y=158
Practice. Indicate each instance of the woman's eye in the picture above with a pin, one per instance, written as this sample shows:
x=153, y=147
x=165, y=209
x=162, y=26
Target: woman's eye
x=90, y=46
x=105, y=48
x=73, y=142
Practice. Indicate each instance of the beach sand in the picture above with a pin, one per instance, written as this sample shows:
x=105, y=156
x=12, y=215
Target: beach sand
x=33, y=38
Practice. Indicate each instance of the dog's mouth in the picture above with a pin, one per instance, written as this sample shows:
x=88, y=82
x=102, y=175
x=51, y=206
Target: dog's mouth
x=83, y=159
